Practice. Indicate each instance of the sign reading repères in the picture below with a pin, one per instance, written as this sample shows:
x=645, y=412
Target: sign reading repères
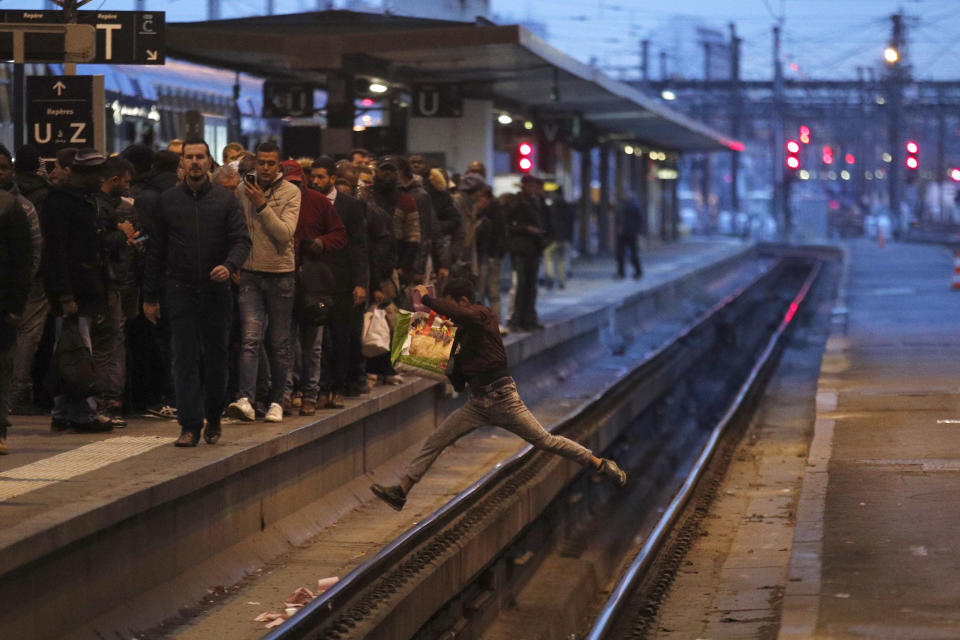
x=63, y=111
x=123, y=37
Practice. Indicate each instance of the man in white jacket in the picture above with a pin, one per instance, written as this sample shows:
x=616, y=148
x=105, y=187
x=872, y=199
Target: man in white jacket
x=266, y=282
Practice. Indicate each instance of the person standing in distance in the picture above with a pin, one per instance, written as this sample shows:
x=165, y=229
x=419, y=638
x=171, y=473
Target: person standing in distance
x=480, y=361
x=199, y=239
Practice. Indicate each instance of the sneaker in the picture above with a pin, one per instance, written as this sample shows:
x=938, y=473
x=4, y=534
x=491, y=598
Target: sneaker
x=393, y=496
x=163, y=411
x=610, y=469
x=3, y=447
x=241, y=410
x=274, y=413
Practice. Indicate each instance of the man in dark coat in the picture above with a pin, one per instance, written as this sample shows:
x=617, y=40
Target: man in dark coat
x=35, y=311
x=75, y=275
x=162, y=403
x=529, y=225
x=320, y=235
x=30, y=183
x=118, y=236
x=629, y=226
x=199, y=239
x=342, y=365
x=16, y=255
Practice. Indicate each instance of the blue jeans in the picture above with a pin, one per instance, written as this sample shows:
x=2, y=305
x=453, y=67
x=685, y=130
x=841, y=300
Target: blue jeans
x=199, y=318
x=305, y=374
x=266, y=303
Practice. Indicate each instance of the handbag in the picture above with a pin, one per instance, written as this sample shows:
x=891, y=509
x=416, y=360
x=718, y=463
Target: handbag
x=376, y=333
x=314, y=310
x=73, y=362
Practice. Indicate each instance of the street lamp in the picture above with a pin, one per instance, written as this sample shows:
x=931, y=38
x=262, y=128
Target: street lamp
x=891, y=55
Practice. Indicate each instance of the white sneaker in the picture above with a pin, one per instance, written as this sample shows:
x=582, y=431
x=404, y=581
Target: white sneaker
x=274, y=413
x=241, y=410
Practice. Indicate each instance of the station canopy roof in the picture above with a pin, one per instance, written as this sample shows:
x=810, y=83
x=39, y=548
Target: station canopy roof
x=519, y=68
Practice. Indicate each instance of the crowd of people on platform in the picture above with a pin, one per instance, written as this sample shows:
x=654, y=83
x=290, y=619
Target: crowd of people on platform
x=196, y=289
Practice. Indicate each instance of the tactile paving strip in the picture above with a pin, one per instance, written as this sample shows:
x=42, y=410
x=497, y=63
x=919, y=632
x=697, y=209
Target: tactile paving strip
x=71, y=464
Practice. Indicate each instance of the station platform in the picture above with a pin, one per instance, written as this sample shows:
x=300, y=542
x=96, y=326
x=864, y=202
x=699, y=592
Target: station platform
x=873, y=552
x=74, y=507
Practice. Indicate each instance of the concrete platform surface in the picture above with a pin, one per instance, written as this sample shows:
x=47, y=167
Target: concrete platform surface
x=875, y=548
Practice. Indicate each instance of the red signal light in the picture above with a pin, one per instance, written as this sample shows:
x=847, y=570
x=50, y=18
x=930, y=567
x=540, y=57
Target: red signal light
x=827, y=155
x=912, y=163
x=793, y=146
x=912, y=147
x=524, y=156
x=850, y=159
x=805, y=135
x=955, y=174
x=793, y=162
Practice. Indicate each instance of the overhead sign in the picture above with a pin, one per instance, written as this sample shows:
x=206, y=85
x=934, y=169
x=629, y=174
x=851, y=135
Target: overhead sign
x=437, y=100
x=287, y=99
x=51, y=43
x=123, y=37
x=65, y=111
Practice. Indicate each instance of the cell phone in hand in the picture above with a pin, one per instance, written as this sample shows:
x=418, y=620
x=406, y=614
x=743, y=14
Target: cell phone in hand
x=250, y=178
x=141, y=239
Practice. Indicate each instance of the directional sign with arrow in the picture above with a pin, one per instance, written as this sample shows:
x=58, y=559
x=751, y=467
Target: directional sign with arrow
x=64, y=111
x=123, y=37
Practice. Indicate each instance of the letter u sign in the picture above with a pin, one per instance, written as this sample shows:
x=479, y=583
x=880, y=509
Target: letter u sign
x=428, y=103
x=42, y=138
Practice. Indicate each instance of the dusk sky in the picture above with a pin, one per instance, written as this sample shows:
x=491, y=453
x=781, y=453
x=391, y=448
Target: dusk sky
x=824, y=38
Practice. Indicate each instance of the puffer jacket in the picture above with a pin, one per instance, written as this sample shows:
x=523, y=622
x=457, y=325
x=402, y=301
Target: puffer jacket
x=272, y=229
x=193, y=232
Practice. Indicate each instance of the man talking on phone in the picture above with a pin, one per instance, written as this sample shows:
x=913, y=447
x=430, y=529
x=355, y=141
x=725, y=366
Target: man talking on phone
x=199, y=239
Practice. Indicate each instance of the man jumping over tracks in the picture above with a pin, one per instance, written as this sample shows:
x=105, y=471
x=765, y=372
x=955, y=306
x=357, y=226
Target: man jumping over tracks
x=480, y=361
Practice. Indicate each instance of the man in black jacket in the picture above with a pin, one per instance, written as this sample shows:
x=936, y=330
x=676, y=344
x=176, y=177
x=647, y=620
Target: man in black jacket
x=75, y=275
x=529, y=233
x=118, y=235
x=480, y=360
x=35, y=311
x=491, y=241
x=16, y=257
x=342, y=365
x=199, y=239
x=161, y=402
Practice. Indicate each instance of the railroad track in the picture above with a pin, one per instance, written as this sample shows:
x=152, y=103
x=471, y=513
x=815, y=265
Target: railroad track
x=459, y=568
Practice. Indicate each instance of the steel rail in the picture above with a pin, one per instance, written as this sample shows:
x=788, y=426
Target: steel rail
x=641, y=563
x=321, y=610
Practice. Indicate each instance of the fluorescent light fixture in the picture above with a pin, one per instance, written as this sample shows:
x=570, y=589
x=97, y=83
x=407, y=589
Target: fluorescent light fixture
x=378, y=87
x=504, y=118
x=666, y=94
